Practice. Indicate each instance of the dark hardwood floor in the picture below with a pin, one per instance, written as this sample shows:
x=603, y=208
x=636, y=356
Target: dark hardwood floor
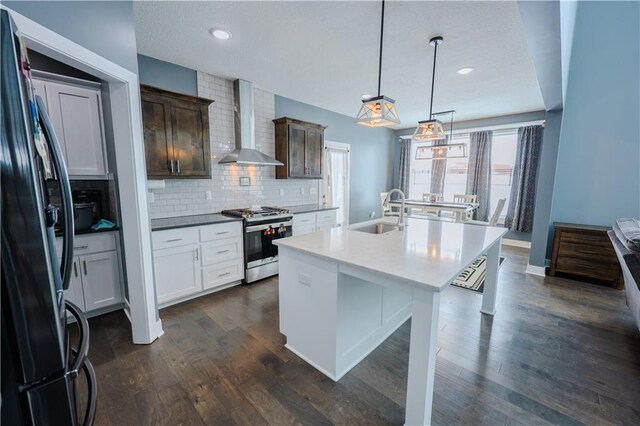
x=557, y=351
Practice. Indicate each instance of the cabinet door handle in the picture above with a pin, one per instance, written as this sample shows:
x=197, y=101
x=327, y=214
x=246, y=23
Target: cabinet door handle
x=82, y=247
x=222, y=233
x=224, y=274
x=84, y=263
x=178, y=163
x=222, y=251
x=75, y=269
x=197, y=254
x=173, y=240
x=171, y=163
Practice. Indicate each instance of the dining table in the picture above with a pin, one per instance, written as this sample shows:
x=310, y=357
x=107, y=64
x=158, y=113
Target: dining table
x=461, y=211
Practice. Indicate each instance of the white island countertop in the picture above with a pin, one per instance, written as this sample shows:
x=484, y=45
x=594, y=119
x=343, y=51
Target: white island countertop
x=425, y=253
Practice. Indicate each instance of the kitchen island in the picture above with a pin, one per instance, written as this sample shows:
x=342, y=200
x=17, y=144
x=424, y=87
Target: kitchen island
x=344, y=291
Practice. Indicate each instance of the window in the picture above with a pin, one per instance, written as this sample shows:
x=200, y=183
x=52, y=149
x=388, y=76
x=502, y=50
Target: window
x=503, y=157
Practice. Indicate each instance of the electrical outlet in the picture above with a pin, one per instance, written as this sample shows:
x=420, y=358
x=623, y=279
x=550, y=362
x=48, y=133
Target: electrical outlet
x=281, y=192
x=304, y=279
x=151, y=197
x=372, y=215
x=312, y=191
x=207, y=195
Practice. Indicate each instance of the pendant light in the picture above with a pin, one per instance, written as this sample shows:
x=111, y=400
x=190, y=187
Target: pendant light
x=431, y=129
x=380, y=110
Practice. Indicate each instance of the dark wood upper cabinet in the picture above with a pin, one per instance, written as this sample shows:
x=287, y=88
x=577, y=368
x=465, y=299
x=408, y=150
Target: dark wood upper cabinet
x=176, y=134
x=300, y=147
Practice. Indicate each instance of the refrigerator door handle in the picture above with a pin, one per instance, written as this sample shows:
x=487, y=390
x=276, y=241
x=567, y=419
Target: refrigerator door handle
x=65, y=192
x=92, y=394
x=83, y=348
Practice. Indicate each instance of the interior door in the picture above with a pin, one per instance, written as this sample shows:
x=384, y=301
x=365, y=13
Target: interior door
x=191, y=144
x=101, y=279
x=156, y=119
x=313, y=153
x=76, y=115
x=297, y=141
x=335, y=183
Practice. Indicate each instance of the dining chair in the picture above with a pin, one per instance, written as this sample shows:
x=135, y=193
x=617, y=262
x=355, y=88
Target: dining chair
x=465, y=198
x=428, y=196
x=493, y=221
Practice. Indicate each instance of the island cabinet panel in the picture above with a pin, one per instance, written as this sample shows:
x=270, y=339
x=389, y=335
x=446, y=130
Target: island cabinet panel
x=176, y=134
x=299, y=146
x=357, y=315
x=585, y=252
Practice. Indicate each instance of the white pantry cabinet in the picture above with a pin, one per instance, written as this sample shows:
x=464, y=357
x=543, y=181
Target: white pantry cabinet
x=306, y=223
x=96, y=281
x=196, y=260
x=75, y=109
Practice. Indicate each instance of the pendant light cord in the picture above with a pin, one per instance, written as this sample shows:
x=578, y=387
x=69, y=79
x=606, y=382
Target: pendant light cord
x=433, y=79
x=380, y=58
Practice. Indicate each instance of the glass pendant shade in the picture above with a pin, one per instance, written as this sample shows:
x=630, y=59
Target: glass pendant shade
x=442, y=152
x=378, y=112
x=429, y=130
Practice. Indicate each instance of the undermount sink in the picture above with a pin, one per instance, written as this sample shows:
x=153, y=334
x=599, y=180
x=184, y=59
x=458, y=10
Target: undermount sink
x=377, y=228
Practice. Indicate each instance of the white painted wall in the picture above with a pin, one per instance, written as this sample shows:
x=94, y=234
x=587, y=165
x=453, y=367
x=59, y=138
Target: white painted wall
x=187, y=196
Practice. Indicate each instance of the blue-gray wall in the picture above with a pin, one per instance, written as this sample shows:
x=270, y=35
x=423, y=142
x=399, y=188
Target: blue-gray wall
x=371, y=153
x=544, y=188
x=104, y=27
x=598, y=170
x=167, y=76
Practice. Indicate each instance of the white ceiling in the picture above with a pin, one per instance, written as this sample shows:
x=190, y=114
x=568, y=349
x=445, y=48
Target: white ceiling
x=326, y=53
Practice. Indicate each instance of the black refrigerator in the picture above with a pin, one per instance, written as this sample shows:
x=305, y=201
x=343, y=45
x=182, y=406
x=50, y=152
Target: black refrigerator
x=41, y=361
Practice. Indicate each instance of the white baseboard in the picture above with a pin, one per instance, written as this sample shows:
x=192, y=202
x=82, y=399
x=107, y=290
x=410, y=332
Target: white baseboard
x=535, y=270
x=516, y=243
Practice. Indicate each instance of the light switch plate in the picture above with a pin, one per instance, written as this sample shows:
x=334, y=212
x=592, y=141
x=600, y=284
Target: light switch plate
x=207, y=195
x=281, y=192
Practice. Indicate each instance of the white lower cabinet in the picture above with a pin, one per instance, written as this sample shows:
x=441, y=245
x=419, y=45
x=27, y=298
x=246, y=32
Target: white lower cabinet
x=220, y=274
x=96, y=281
x=101, y=272
x=198, y=259
x=177, y=272
x=306, y=223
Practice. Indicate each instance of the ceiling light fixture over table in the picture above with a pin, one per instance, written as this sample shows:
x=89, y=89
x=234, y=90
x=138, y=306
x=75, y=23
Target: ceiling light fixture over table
x=380, y=110
x=431, y=129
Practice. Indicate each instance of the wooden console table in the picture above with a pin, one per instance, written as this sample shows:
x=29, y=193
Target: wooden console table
x=585, y=252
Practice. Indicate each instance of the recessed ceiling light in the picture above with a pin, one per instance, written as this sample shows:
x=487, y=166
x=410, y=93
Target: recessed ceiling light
x=465, y=70
x=220, y=34
x=366, y=96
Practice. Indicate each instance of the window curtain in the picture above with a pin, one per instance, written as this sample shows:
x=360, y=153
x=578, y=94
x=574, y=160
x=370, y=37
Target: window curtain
x=479, y=172
x=523, y=188
x=405, y=165
x=438, y=169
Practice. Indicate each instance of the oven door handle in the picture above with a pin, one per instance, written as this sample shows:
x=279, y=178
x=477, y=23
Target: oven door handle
x=266, y=226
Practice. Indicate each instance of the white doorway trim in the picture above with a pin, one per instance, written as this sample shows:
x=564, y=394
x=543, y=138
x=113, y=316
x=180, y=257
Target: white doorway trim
x=124, y=95
x=342, y=147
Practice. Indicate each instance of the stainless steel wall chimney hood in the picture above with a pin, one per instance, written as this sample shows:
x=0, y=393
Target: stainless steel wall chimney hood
x=245, y=128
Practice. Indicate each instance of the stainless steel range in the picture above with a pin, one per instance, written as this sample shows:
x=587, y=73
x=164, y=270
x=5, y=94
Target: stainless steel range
x=262, y=225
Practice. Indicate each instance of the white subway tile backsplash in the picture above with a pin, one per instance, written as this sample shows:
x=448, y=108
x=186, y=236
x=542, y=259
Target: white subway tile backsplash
x=187, y=197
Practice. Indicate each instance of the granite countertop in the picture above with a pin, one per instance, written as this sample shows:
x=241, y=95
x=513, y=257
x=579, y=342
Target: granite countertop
x=89, y=231
x=186, y=221
x=308, y=208
x=426, y=253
